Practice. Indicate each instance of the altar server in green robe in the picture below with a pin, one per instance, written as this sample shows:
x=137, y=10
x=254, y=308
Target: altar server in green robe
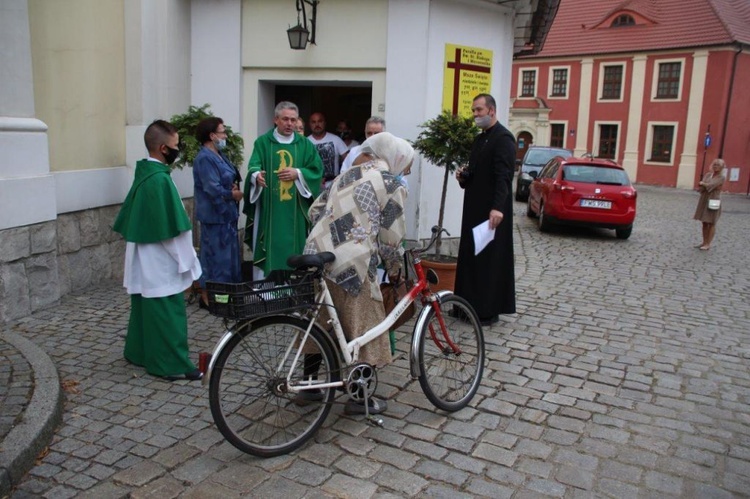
x=160, y=261
x=284, y=178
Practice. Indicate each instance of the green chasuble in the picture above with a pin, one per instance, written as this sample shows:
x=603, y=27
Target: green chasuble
x=153, y=210
x=283, y=225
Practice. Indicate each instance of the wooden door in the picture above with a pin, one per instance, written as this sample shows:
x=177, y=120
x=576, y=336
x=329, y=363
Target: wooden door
x=523, y=141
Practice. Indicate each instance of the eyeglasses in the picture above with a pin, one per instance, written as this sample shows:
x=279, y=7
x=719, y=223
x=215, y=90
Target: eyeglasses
x=220, y=132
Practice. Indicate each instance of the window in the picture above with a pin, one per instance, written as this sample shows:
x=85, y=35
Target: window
x=590, y=174
x=528, y=83
x=559, y=82
x=668, y=85
x=661, y=143
x=557, y=137
x=612, y=86
x=607, y=141
x=549, y=169
x=623, y=20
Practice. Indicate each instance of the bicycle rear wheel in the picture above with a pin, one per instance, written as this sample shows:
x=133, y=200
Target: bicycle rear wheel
x=248, y=392
x=450, y=377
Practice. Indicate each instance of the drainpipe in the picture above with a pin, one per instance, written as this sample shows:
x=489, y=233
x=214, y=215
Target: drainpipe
x=729, y=102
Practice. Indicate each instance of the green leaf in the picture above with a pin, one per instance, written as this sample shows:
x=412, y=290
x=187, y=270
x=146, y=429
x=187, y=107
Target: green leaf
x=446, y=140
x=186, y=124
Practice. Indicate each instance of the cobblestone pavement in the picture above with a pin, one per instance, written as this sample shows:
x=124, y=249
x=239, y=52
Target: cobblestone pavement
x=624, y=374
x=16, y=382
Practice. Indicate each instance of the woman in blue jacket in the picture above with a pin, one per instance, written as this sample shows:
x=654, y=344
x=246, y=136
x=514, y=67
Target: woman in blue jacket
x=217, y=196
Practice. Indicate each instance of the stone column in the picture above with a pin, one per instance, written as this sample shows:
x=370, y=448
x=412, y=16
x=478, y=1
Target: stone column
x=584, y=107
x=635, y=113
x=28, y=267
x=27, y=190
x=689, y=157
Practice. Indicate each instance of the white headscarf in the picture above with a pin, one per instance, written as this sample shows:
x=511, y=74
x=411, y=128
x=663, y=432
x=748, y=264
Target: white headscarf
x=396, y=152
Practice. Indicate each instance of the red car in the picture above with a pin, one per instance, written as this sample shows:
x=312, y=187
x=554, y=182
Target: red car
x=585, y=192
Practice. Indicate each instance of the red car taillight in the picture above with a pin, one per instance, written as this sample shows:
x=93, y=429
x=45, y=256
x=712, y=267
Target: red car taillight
x=629, y=194
x=563, y=187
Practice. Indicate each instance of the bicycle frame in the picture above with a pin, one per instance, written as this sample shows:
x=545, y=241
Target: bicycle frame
x=350, y=350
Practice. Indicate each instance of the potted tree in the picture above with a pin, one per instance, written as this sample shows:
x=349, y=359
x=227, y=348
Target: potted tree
x=189, y=146
x=445, y=141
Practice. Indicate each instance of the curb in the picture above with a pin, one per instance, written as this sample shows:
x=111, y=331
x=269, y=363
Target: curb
x=22, y=445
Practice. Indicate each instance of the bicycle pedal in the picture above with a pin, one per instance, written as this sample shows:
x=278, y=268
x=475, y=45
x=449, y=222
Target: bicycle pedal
x=375, y=421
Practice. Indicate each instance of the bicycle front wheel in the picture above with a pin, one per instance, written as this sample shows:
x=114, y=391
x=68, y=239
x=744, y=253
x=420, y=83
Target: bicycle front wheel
x=451, y=359
x=249, y=395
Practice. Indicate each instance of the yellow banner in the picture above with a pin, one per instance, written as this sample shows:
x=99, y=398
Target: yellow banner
x=467, y=72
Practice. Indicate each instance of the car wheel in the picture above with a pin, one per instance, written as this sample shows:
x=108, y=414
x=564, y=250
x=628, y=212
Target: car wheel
x=544, y=224
x=529, y=212
x=623, y=233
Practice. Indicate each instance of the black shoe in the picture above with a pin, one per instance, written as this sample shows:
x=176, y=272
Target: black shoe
x=193, y=375
x=376, y=406
x=488, y=321
x=307, y=397
x=202, y=304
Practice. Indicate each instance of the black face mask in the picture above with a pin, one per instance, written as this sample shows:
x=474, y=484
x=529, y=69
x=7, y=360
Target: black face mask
x=344, y=135
x=171, y=155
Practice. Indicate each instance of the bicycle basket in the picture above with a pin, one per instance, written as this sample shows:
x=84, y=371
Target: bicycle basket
x=245, y=300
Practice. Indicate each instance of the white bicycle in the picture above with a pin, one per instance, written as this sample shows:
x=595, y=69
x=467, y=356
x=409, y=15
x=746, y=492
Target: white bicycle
x=274, y=373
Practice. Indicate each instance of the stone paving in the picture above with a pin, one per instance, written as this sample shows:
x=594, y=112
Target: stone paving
x=624, y=374
x=16, y=382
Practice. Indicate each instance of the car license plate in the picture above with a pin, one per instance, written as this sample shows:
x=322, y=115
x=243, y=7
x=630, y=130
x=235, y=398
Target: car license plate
x=595, y=203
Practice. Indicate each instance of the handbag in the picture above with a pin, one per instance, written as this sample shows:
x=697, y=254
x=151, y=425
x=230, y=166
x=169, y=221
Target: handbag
x=714, y=204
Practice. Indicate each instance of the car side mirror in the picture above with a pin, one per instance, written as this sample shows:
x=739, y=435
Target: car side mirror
x=534, y=174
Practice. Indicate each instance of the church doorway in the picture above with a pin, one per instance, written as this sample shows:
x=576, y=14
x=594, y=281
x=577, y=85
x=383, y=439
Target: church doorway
x=350, y=103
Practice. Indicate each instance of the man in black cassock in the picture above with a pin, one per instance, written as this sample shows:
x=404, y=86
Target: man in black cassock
x=487, y=280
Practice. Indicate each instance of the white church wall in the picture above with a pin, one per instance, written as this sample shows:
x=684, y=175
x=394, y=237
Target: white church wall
x=417, y=34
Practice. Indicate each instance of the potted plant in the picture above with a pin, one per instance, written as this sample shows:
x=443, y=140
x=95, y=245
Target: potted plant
x=189, y=146
x=445, y=141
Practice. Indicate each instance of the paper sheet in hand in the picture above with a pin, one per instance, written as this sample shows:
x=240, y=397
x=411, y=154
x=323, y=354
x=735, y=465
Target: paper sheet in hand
x=482, y=236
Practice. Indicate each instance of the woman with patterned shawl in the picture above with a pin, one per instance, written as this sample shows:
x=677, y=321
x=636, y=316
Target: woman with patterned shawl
x=361, y=220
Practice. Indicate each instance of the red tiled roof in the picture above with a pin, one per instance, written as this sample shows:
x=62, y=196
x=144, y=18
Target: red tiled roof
x=580, y=28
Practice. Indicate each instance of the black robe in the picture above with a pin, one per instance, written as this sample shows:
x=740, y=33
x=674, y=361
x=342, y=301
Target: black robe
x=487, y=280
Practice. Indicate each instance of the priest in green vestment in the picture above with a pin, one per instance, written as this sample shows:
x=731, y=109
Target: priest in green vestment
x=284, y=178
x=160, y=261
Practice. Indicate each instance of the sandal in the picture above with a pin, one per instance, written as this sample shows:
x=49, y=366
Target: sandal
x=704, y=248
x=376, y=406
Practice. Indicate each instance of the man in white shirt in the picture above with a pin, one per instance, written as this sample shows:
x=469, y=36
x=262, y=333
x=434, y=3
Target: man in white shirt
x=373, y=126
x=344, y=131
x=330, y=147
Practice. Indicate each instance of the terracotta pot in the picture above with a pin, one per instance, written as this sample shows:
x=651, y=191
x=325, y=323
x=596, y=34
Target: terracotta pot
x=446, y=273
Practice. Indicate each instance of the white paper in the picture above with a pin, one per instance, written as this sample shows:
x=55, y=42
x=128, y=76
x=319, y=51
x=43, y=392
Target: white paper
x=482, y=236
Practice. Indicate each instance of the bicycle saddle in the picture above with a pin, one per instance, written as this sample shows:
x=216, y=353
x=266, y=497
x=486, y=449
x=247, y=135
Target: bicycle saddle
x=316, y=260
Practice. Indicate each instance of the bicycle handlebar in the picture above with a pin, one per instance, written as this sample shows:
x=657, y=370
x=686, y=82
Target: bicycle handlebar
x=436, y=231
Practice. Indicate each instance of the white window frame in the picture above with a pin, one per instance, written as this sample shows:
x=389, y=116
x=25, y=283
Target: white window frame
x=655, y=79
x=600, y=88
x=650, y=142
x=551, y=83
x=565, y=132
x=597, y=132
x=520, y=82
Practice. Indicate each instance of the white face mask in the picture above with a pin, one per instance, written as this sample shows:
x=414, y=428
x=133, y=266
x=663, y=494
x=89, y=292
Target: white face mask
x=220, y=144
x=483, y=122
